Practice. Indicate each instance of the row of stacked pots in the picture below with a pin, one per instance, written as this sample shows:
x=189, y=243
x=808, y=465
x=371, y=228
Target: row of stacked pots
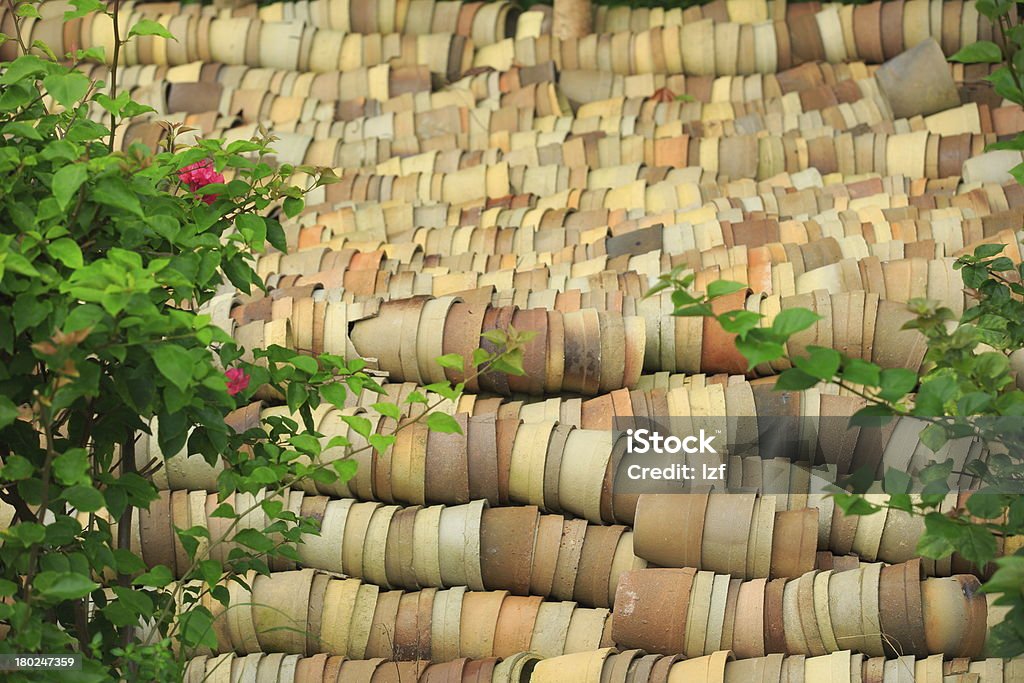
x=702, y=47
x=793, y=208
x=307, y=612
x=875, y=610
x=291, y=45
x=515, y=453
x=607, y=666
x=897, y=280
x=405, y=336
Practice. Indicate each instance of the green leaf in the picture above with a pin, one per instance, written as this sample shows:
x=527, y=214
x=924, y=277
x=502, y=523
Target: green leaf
x=739, y=322
x=896, y=383
x=976, y=544
x=858, y=371
x=450, y=360
x=114, y=191
x=8, y=411
x=497, y=337
x=72, y=467
x=67, y=88
x=940, y=534
x=360, y=425
x=293, y=206
x=174, y=363
x=1009, y=577
x=416, y=397
x=224, y=511
x=16, y=468
x=345, y=467
x=388, y=410
x=855, y=504
x=896, y=481
x=757, y=352
x=197, y=627
x=339, y=442
x=306, y=443
x=793, y=320
x=983, y=251
x=381, y=442
x=795, y=379
x=307, y=364
x=84, y=498
x=63, y=585
x=148, y=27
x=22, y=68
x=987, y=504
x=480, y=356
x=254, y=539
x=83, y=7
x=66, y=251
x=981, y=52
x=253, y=228
x=934, y=437
x=66, y=182
x=819, y=362
x=22, y=129
x=444, y=423
x=335, y=394
x=724, y=287
x=275, y=235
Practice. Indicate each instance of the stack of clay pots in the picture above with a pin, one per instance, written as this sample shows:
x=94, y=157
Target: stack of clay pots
x=506, y=548
x=841, y=666
x=279, y=44
x=484, y=24
x=605, y=664
x=830, y=159
x=406, y=336
x=557, y=357
x=741, y=535
x=875, y=610
x=306, y=612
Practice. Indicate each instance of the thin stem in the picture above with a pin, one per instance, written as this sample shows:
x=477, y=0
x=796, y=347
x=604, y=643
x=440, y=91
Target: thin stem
x=124, y=530
x=113, y=72
x=44, y=500
x=17, y=26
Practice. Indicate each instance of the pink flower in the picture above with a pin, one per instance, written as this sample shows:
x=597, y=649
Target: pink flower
x=199, y=175
x=238, y=381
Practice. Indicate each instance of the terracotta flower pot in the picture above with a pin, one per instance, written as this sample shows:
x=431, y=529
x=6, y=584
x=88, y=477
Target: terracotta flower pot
x=507, y=537
x=726, y=533
x=280, y=606
x=446, y=620
x=955, y=615
x=581, y=667
x=795, y=542
x=650, y=609
x=594, y=573
x=653, y=540
x=459, y=545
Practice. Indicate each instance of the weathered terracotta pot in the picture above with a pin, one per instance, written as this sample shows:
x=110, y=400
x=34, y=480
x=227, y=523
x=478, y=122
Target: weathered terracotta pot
x=653, y=541
x=446, y=619
x=650, y=609
x=796, y=541
x=594, y=573
x=280, y=607
x=507, y=538
x=955, y=615
x=581, y=667
x=459, y=545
